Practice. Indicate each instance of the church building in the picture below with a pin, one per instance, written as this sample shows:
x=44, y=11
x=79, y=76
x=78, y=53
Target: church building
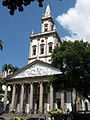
x=30, y=90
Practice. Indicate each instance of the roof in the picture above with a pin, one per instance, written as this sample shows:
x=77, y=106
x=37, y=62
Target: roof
x=48, y=12
x=34, y=69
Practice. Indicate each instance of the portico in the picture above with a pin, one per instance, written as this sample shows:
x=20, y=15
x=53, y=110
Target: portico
x=30, y=93
x=32, y=99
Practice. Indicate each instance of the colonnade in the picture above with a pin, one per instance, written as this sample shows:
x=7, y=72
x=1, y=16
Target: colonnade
x=42, y=105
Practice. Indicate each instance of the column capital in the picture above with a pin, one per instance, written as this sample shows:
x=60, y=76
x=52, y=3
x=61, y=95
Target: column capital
x=22, y=83
x=13, y=84
x=40, y=82
x=31, y=83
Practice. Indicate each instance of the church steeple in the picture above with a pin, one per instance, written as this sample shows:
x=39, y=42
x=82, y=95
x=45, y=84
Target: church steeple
x=48, y=12
x=47, y=20
x=43, y=43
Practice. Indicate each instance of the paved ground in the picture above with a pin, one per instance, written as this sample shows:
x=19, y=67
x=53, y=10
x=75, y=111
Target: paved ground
x=8, y=116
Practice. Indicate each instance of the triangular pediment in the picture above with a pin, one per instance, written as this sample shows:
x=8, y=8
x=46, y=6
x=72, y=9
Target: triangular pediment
x=34, y=69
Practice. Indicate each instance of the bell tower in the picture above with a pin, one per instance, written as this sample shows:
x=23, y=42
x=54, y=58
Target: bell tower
x=43, y=43
x=47, y=20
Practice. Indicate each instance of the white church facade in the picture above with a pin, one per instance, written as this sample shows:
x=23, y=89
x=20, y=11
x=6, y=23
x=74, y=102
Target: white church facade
x=30, y=90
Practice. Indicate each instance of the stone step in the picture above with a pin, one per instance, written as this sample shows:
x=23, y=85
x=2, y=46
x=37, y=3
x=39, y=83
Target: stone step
x=8, y=116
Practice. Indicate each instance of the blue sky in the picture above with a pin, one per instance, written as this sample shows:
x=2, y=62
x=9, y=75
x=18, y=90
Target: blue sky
x=15, y=30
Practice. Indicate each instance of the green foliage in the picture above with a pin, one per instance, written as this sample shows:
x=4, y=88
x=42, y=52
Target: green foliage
x=1, y=45
x=2, y=82
x=18, y=4
x=9, y=68
x=73, y=59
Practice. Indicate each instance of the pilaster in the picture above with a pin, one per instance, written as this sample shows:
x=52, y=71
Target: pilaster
x=54, y=37
x=38, y=48
x=30, y=52
x=46, y=49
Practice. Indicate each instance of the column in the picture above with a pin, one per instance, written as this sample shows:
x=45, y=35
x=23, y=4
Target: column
x=5, y=97
x=41, y=98
x=51, y=97
x=22, y=95
x=63, y=101
x=18, y=98
x=13, y=96
x=31, y=96
x=74, y=100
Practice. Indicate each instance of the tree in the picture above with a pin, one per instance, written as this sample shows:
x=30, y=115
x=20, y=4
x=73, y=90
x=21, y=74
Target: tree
x=1, y=45
x=18, y=4
x=73, y=60
x=9, y=68
x=2, y=82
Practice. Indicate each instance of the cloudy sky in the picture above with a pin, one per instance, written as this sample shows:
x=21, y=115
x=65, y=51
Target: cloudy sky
x=72, y=20
x=77, y=21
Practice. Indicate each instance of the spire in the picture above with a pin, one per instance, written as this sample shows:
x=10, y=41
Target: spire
x=48, y=2
x=48, y=12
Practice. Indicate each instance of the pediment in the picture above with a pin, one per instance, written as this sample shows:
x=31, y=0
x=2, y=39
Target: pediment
x=37, y=69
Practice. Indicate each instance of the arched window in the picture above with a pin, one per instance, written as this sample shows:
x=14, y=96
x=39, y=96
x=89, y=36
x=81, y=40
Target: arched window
x=45, y=27
x=34, y=50
x=42, y=49
x=50, y=47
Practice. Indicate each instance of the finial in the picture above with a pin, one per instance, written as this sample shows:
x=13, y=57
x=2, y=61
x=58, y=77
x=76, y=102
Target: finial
x=48, y=2
x=54, y=27
x=32, y=32
x=43, y=14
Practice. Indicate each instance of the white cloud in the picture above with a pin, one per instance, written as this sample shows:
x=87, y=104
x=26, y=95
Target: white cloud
x=77, y=20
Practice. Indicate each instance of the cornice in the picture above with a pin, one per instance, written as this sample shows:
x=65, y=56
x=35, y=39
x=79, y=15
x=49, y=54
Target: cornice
x=44, y=56
x=41, y=34
x=25, y=67
x=28, y=80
